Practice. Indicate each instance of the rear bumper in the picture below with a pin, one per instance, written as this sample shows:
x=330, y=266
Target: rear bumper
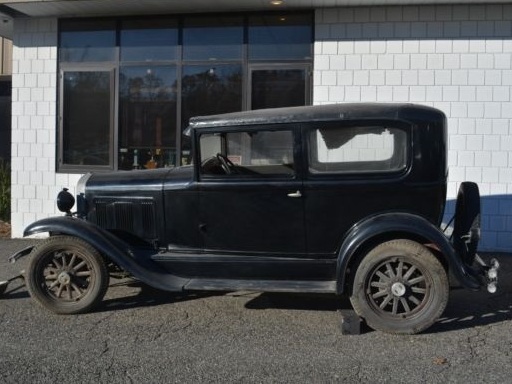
x=488, y=273
x=482, y=274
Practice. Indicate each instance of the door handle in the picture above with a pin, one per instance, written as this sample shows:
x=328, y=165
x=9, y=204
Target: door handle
x=295, y=194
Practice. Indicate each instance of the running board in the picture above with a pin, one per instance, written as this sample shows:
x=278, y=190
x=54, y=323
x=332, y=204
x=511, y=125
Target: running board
x=261, y=285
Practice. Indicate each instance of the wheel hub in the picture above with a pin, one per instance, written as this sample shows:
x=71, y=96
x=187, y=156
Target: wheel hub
x=64, y=278
x=398, y=289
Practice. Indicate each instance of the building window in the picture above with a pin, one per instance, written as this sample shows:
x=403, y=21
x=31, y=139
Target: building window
x=5, y=117
x=88, y=41
x=148, y=40
x=206, y=38
x=129, y=86
x=206, y=90
x=273, y=87
x=147, y=116
x=87, y=104
x=279, y=37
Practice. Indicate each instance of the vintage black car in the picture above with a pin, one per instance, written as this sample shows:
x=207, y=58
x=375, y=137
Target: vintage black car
x=343, y=199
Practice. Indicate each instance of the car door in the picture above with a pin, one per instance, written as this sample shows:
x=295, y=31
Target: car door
x=251, y=192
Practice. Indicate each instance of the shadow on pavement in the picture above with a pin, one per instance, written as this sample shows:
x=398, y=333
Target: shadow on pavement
x=298, y=301
x=466, y=309
x=148, y=296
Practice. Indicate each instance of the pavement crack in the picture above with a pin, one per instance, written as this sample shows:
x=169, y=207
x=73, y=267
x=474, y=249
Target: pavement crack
x=105, y=349
x=359, y=372
x=107, y=354
x=164, y=329
x=98, y=322
x=475, y=342
x=129, y=377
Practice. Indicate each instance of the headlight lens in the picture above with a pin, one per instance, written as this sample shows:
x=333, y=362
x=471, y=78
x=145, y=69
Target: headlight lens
x=65, y=201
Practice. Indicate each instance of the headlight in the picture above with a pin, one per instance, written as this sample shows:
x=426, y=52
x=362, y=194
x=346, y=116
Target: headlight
x=65, y=201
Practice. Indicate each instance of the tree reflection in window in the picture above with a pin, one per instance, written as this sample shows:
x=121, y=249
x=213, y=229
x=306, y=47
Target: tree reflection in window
x=147, y=111
x=87, y=117
x=209, y=90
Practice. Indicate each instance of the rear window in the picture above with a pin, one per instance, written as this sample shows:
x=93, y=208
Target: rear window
x=360, y=149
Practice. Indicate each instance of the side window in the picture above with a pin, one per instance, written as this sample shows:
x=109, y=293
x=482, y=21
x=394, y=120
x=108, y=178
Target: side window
x=247, y=154
x=360, y=149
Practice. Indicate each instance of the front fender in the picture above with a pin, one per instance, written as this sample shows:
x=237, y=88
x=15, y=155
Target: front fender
x=135, y=261
x=401, y=225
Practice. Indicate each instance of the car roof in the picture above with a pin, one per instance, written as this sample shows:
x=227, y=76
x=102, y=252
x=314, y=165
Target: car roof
x=331, y=112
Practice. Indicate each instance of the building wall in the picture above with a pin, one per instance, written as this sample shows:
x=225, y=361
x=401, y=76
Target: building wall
x=455, y=58
x=34, y=81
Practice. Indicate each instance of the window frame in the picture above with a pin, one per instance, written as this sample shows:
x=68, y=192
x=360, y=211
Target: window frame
x=180, y=62
x=236, y=178
x=254, y=67
x=118, y=117
x=92, y=67
x=358, y=174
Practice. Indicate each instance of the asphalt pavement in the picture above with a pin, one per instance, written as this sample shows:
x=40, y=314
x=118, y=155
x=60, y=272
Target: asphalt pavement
x=142, y=335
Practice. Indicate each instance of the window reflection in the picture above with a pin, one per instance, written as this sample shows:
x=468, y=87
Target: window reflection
x=212, y=39
x=209, y=90
x=87, y=122
x=218, y=58
x=147, y=117
x=149, y=40
x=280, y=37
x=86, y=40
x=274, y=88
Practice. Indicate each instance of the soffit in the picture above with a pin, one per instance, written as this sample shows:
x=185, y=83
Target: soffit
x=69, y=8
x=10, y=9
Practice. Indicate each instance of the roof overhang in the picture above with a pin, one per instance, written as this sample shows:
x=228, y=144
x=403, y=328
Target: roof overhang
x=10, y=9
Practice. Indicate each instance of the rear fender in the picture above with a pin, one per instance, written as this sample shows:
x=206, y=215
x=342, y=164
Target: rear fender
x=135, y=261
x=403, y=225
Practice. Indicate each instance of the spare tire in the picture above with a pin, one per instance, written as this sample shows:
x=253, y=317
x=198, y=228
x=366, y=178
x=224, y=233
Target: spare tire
x=466, y=229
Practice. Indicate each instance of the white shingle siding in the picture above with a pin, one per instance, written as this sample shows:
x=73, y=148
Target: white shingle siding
x=34, y=79
x=456, y=58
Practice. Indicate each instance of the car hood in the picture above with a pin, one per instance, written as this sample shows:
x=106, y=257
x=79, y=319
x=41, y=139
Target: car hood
x=147, y=180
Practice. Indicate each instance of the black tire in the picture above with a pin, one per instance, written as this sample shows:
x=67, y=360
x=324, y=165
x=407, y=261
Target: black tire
x=66, y=275
x=400, y=287
x=466, y=228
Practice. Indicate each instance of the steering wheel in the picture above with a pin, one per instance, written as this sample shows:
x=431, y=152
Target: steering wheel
x=226, y=164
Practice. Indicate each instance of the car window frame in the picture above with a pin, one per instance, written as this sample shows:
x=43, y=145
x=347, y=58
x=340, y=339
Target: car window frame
x=296, y=131
x=370, y=174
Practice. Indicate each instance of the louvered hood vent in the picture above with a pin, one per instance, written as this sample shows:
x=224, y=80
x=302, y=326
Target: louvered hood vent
x=135, y=216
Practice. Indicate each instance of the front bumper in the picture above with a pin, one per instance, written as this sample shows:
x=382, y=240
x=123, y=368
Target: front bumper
x=18, y=255
x=21, y=275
